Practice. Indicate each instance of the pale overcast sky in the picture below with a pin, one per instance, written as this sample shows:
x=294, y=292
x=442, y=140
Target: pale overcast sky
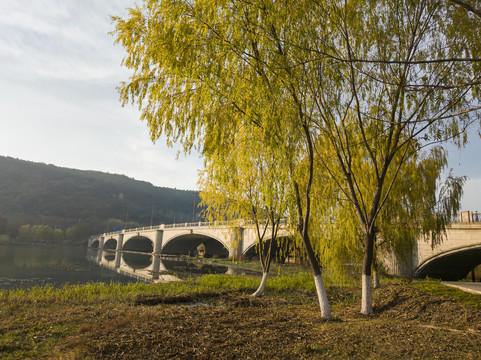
x=58, y=73
x=59, y=105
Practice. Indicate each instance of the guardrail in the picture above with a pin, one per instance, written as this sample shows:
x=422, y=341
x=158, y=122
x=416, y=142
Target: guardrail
x=176, y=225
x=186, y=224
x=469, y=217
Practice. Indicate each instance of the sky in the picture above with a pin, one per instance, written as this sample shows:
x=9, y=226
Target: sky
x=59, y=70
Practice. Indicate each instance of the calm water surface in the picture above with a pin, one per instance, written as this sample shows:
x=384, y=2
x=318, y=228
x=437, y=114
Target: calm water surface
x=28, y=266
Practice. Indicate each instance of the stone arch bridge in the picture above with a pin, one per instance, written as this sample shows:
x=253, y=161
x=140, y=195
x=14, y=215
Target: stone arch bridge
x=219, y=239
x=453, y=259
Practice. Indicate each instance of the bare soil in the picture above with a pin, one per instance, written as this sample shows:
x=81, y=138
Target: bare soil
x=407, y=324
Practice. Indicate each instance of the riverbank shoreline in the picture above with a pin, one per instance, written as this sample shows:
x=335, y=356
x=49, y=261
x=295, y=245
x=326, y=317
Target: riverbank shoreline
x=214, y=317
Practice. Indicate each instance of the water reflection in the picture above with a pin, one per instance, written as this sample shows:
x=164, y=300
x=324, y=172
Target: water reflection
x=157, y=268
x=109, y=257
x=27, y=266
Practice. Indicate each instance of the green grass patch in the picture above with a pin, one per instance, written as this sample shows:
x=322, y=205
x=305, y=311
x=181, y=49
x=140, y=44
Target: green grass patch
x=435, y=287
x=92, y=293
x=85, y=294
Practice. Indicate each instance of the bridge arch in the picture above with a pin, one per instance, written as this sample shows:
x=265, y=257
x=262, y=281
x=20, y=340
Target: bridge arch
x=110, y=244
x=95, y=244
x=452, y=265
x=138, y=244
x=186, y=244
x=281, y=250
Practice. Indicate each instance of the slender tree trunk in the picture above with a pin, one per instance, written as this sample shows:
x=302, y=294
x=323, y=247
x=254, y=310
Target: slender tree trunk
x=316, y=270
x=303, y=226
x=366, y=300
x=266, y=256
x=262, y=286
x=322, y=296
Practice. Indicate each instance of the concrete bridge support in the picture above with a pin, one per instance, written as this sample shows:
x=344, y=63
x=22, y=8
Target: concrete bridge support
x=118, y=258
x=237, y=243
x=159, y=234
x=101, y=246
x=120, y=242
x=101, y=242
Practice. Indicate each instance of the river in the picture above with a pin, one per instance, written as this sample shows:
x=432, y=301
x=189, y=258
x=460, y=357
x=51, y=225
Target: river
x=23, y=266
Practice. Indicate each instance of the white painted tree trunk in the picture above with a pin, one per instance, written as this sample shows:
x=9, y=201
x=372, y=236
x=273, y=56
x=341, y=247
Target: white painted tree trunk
x=375, y=279
x=366, y=300
x=322, y=296
x=262, y=286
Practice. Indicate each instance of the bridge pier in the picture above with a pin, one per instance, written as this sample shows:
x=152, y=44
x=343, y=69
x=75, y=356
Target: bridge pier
x=159, y=235
x=101, y=242
x=157, y=266
x=120, y=242
x=118, y=258
x=237, y=243
x=100, y=249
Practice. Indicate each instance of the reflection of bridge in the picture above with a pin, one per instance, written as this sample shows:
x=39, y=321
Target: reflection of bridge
x=219, y=239
x=154, y=268
x=453, y=259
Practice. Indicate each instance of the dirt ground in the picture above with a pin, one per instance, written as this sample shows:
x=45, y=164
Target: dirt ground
x=407, y=324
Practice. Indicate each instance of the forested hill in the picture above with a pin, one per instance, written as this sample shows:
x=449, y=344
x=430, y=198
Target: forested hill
x=36, y=193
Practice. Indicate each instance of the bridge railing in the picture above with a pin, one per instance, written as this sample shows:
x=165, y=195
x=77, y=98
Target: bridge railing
x=175, y=225
x=469, y=217
x=186, y=224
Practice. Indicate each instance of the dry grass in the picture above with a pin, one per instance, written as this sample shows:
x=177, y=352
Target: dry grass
x=228, y=324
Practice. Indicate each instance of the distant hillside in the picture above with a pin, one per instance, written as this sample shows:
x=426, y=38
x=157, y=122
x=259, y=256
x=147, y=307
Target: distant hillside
x=35, y=193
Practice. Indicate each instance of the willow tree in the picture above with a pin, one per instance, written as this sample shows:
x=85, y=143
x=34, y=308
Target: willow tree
x=198, y=65
x=246, y=183
x=420, y=207
x=389, y=78
x=367, y=81
x=369, y=99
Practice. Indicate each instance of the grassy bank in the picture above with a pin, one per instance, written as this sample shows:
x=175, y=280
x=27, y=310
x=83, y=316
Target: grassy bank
x=213, y=317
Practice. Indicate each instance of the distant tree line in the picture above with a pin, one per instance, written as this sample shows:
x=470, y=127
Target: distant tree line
x=40, y=234
x=77, y=234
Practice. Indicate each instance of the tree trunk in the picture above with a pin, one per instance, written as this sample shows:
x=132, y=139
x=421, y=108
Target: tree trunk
x=366, y=300
x=262, y=286
x=316, y=270
x=322, y=296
